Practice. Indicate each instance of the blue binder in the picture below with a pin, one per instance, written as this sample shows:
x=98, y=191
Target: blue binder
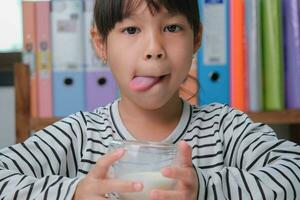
x=68, y=92
x=67, y=45
x=213, y=56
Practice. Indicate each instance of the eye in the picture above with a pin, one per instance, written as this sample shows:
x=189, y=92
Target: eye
x=173, y=28
x=131, y=30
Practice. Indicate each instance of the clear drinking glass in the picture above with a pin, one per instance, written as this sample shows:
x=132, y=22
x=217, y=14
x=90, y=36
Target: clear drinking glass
x=143, y=161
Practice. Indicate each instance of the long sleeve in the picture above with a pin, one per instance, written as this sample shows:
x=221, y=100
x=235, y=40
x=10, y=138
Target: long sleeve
x=45, y=166
x=256, y=165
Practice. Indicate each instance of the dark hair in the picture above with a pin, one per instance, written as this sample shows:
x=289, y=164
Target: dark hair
x=108, y=12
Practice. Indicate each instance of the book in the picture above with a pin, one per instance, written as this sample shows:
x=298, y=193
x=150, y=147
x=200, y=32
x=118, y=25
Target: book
x=272, y=51
x=291, y=30
x=29, y=51
x=43, y=59
x=238, y=67
x=100, y=85
x=253, y=62
x=213, y=56
x=68, y=56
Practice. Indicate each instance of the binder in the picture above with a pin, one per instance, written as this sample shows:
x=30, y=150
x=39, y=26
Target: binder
x=189, y=89
x=238, y=71
x=291, y=27
x=272, y=55
x=43, y=59
x=213, y=56
x=91, y=60
x=29, y=51
x=100, y=86
x=67, y=45
x=254, y=63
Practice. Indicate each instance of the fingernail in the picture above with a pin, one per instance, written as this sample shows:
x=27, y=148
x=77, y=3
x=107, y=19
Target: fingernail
x=166, y=171
x=120, y=151
x=154, y=194
x=137, y=186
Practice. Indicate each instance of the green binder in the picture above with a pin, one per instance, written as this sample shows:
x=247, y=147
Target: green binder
x=273, y=69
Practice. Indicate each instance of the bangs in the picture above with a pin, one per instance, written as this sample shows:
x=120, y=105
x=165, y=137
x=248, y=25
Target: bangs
x=109, y=12
x=153, y=5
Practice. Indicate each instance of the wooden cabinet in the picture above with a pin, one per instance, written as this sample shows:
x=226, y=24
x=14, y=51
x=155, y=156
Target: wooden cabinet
x=290, y=117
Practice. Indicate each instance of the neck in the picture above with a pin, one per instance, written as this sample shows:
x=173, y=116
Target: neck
x=151, y=125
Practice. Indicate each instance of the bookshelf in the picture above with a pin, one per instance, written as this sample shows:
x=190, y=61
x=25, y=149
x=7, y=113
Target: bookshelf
x=277, y=117
x=24, y=122
x=281, y=117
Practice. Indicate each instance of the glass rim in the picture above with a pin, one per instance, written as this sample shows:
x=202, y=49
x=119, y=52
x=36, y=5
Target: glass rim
x=149, y=144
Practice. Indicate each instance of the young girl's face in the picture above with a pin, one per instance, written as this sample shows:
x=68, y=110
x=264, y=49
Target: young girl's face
x=150, y=54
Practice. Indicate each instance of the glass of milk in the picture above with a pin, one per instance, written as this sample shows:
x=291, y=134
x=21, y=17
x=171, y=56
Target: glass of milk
x=143, y=162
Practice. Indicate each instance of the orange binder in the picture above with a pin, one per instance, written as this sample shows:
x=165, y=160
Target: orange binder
x=238, y=70
x=29, y=52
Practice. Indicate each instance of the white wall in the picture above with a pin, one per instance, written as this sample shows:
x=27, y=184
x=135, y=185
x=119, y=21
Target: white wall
x=7, y=116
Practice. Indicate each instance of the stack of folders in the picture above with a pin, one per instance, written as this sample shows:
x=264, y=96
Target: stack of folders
x=66, y=74
x=261, y=69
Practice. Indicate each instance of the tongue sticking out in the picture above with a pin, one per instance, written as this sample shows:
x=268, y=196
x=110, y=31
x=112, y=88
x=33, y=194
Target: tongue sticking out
x=142, y=83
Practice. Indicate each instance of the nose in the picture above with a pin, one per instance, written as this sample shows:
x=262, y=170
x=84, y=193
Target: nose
x=154, y=48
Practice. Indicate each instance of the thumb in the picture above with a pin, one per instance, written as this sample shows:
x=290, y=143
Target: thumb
x=184, y=155
x=102, y=166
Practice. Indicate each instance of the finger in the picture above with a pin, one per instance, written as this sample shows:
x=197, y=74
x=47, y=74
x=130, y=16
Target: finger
x=168, y=194
x=102, y=166
x=113, y=185
x=184, y=154
x=182, y=174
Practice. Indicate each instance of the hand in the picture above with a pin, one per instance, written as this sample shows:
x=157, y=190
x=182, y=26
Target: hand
x=96, y=184
x=187, y=182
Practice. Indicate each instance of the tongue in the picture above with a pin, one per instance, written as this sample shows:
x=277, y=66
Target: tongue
x=141, y=83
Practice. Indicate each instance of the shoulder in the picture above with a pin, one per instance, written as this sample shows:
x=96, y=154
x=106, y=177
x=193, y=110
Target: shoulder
x=84, y=120
x=210, y=112
x=217, y=111
x=218, y=117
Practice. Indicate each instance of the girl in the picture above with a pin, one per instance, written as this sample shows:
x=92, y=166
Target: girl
x=149, y=46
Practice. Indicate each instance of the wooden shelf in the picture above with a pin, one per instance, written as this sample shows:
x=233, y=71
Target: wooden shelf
x=289, y=117
x=276, y=117
x=40, y=123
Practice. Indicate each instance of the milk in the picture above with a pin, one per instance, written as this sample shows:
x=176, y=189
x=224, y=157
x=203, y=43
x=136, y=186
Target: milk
x=150, y=180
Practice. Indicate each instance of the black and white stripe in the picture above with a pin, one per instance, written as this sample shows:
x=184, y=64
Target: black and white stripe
x=234, y=157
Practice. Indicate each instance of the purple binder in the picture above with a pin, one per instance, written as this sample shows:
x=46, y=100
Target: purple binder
x=101, y=88
x=291, y=25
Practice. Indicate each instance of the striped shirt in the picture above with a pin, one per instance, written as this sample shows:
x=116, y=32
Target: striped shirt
x=234, y=157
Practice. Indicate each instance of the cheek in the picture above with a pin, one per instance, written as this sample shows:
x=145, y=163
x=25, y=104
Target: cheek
x=182, y=57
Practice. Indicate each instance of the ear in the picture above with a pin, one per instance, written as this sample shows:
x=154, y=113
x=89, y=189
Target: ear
x=198, y=39
x=98, y=43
